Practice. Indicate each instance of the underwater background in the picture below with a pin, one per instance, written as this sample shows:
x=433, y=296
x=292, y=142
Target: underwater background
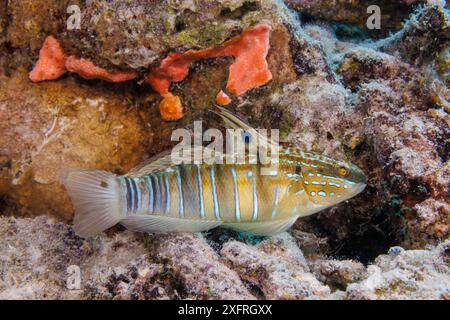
x=377, y=96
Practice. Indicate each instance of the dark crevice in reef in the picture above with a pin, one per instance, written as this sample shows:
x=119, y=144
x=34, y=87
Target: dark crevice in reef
x=372, y=236
x=238, y=13
x=219, y=236
x=367, y=237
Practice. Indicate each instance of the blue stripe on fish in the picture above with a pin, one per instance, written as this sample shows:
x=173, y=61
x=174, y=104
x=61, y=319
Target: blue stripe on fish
x=167, y=185
x=180, y=194
x=157, y=195
x=255, y=199
x=276, y=201
x=200, y=191
x=214, y=191
x=162, y=198
x=236, y=194
x=138, y=194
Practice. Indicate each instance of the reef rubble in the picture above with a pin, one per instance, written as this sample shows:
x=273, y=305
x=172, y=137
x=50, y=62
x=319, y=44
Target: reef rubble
x=41, y=258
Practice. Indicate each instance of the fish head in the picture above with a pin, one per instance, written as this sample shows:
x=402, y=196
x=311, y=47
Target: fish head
x=328, y=182
x=319, y=182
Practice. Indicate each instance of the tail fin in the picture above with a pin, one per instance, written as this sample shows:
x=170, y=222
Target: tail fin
x=96, y=197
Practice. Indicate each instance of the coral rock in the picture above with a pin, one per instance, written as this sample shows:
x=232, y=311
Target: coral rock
x=355, y=12
x=338, y=274
x=424, y=35
x=413, y=274
x=61, y=124
x=277, y=267
x=198, y=267
x=429, y=223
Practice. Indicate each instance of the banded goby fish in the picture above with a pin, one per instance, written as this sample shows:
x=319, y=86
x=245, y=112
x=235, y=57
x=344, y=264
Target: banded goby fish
x=160, y=197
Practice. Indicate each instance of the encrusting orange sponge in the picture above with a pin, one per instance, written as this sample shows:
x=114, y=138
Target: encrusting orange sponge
x=171, y=108
x=222, y=99
x=52, y=61
x=88, y=70
x=249, y=70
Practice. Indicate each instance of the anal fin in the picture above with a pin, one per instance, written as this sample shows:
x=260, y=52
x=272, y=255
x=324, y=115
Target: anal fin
x=162, y=224
x=266, y=228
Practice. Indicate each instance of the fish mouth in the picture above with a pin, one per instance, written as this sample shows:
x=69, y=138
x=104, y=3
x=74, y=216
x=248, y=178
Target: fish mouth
x=357, y=189
x=353, y=192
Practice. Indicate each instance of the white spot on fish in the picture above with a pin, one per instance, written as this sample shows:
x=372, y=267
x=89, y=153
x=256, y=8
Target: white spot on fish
x=337, y=185
x=313, y=193
x=322, y=193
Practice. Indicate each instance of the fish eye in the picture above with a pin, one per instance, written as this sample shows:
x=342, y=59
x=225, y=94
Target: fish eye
x=343, y=171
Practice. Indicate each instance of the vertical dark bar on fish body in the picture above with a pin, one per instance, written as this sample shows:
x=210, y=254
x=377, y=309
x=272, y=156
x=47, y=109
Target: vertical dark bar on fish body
x=150, y=194
x=180, y=192
x=157, y=194
x=167, y=192
x=136, y=194
x=162, y=193
x=154, y=193
x=129, y=196
x=190, y=191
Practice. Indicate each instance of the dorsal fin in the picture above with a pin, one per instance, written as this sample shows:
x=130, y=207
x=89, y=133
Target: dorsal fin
x=234, y=122
x=164, y=161
x=156, y=163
